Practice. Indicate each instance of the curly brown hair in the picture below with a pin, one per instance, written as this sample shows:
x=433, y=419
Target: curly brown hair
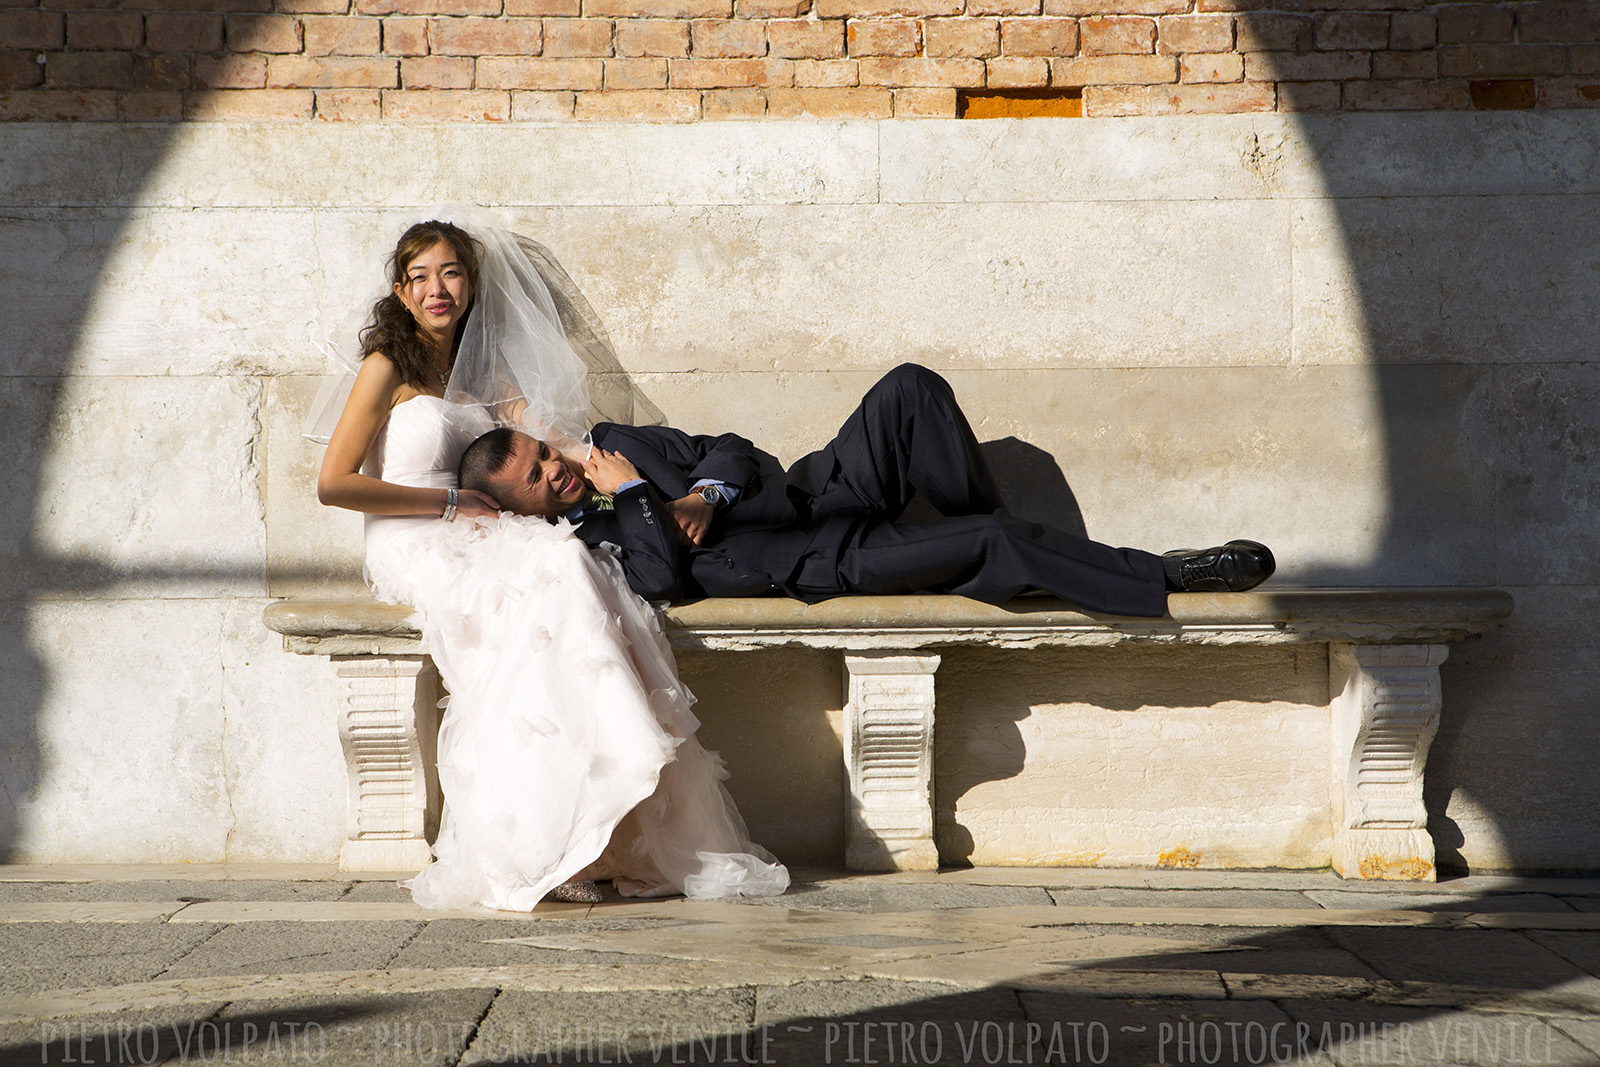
x=392, y=330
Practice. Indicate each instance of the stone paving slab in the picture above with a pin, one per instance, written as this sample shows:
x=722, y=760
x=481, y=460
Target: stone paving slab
x=969, y=965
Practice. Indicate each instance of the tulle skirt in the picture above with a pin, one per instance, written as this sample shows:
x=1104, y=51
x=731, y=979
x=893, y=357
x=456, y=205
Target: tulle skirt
x=567, y=747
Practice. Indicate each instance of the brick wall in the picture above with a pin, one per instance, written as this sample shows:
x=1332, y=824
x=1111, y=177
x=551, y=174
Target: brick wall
x=684, y=60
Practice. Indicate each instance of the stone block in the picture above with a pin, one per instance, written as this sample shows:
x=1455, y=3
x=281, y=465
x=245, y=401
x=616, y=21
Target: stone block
x=870, y=286
x=1047, y=761
x=312, y=549
x=122, y=491
x=1506, y=279
x=1547, y=426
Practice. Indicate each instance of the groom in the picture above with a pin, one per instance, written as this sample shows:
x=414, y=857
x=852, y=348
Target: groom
x=715, y=516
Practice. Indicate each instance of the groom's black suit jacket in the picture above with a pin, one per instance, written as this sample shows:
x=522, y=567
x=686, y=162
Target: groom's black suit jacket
x=754, y=545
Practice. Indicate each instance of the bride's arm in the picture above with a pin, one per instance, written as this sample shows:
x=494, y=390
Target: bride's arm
x=341, y=483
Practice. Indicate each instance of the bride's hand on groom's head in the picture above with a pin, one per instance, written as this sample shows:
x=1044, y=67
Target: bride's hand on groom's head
x=471, y=504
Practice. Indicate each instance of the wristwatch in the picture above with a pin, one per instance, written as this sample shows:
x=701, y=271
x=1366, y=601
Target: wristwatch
x=711, y=495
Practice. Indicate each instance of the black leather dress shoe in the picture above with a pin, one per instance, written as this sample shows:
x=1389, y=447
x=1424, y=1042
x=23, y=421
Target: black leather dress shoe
x=1230, y=568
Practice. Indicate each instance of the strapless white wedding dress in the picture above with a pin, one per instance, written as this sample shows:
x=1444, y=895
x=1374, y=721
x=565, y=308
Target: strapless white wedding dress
x=567, y=745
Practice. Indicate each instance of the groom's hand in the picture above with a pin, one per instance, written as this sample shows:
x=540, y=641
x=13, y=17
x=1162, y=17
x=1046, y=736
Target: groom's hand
x=606, y=471
x=693, y=516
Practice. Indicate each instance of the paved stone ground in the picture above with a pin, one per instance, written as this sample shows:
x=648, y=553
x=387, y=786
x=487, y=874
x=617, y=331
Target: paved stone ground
x=278, y=965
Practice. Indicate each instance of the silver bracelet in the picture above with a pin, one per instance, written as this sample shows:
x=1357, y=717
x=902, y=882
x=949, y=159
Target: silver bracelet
x=451, y=498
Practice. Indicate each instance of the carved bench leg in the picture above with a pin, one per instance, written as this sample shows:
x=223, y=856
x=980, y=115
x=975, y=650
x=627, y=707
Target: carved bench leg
x=888, y=752
x=389, y=725
x=1385, y=713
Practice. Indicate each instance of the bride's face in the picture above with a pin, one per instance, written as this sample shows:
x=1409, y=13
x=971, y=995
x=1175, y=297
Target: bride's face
x=436, y=290
x=538, y=480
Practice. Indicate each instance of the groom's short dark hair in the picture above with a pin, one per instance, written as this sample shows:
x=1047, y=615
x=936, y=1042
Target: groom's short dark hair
x=486, y=457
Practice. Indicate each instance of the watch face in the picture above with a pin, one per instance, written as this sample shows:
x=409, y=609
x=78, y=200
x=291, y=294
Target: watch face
x=710, y=494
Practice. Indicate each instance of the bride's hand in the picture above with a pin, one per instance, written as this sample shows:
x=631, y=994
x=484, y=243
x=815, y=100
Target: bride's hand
x=471, y=504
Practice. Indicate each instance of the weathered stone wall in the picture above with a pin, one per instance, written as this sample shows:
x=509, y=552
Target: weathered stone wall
x=683, y=60
x=1365, y=340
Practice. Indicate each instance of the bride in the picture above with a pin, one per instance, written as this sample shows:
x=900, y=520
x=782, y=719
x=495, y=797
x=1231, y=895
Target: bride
x=567, y=752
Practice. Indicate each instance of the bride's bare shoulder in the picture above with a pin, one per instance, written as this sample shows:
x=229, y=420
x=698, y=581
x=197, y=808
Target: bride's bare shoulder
x=380, y=377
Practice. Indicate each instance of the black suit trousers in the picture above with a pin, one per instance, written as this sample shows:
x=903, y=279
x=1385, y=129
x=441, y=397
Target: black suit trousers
x=908, y=436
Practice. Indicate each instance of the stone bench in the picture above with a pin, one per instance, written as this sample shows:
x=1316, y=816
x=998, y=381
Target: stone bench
x=1385, y=647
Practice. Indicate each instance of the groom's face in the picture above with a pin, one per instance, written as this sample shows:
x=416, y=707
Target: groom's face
x=538, y=480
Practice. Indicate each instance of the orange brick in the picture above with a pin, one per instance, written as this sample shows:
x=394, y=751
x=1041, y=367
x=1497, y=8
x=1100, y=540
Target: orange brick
x=564, y=38
x=1553, y=21
x=1113, y=70
x=883, y=37
x=262, y=33
x=1119, y=35
x=1514, y=94
x=33, y=29
x=660, y=9
x=88, y=70
x=727, y=39
x=1211, y=67
x=1272, y=32
x=541, y=107
x=543, y=9
x=771, y=9
x=1431, y=95
x=163, y=70
x=349, y=105
x=1474, y=24
x=1003, y=7
x=829, y=103
x=53, y=106
x=345, y=36
x=729, y=73
x=733, y=104
x=332, y=72
x=1039, y=37
x=1569, y=92
x=961, y=38
x=1085, y=8
x=405, y=36
x=1412, y=30
x=20, y=70
x=1194, y=33
x=1011, y=72
x=165, y=106
x=183, y=33
x=437, y=72
x=1306, y=66
x=312, y=7
x=930, y=103
x=915, y=73
x=826, y=73
x=495, y=72
x=636, y=74
x=1338, y=30
x=122, y=30
x=805, y=39
x=446, y=105
x=485, y=37
x=643, y=105
x=838, y=9
x=652, y=37
x=428, y=7
x=1413, y=65
x=252, y=105
x=230, y=72
x=1108, y=101
x=1502, y=60
x=1310, y=96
